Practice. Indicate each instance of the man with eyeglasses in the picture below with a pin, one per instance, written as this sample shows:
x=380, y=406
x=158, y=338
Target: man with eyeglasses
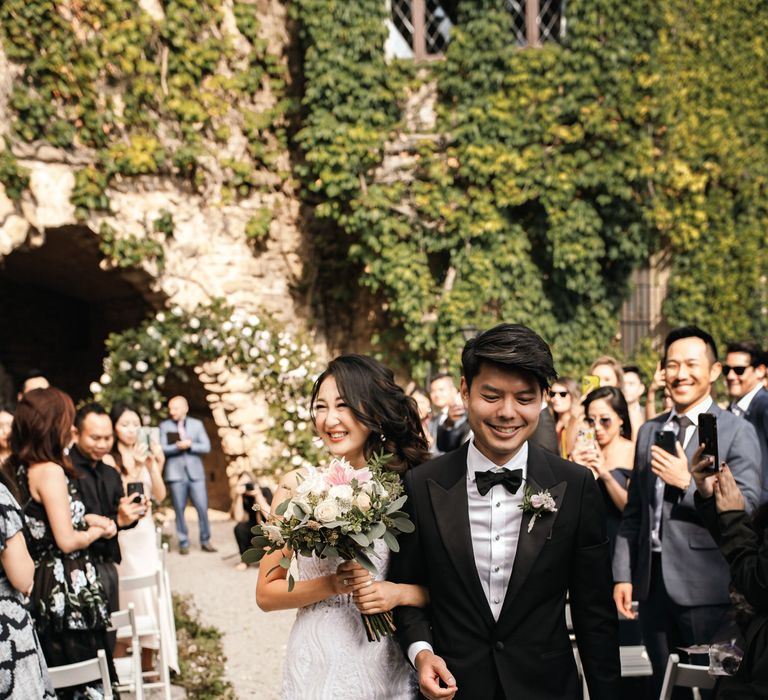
x=664, y=555
x=744, y=371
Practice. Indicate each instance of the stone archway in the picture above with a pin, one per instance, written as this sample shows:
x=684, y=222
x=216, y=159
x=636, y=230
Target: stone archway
x=59, y=306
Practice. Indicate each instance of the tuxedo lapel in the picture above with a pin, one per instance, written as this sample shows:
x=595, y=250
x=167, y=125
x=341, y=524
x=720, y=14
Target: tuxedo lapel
x=449, y=503
x=530, y=544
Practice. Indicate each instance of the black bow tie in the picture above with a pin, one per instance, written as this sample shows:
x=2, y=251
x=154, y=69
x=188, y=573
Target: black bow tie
x=510, y=479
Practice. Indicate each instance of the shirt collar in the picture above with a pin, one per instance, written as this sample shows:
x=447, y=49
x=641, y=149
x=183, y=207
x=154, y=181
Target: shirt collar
x=695, y=412
x=478, y=462
x=744, y=401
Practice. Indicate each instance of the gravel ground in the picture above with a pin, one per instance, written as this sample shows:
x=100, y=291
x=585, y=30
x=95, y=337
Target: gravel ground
x=254, y=641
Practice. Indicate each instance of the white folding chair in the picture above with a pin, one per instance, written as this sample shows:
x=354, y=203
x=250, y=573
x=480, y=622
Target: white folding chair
x=147, y=625
x=129, y=667
x=172, y=654
x=95, y=669
x=685, y=676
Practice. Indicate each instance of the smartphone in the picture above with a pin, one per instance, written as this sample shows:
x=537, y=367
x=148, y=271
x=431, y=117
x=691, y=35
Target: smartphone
x=667, y=440
x=135, y=488
x=708, y=438
x=149, y=435
x=172, y=438
x=589, y=382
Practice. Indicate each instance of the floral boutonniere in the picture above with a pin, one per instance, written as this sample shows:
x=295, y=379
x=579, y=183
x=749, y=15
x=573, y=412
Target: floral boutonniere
x=537, y=503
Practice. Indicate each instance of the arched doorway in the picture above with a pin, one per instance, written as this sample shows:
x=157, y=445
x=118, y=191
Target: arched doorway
x=58, y=306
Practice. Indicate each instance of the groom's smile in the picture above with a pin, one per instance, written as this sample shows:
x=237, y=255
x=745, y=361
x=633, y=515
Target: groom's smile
x=503, y=409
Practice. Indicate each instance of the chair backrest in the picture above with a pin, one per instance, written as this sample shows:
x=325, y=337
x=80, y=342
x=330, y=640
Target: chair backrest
x=83, y=672
x=124, y=618
x=132, y=583
x=686, y=676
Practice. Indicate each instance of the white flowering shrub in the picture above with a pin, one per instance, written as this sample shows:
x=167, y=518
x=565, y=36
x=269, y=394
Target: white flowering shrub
x=172, y=343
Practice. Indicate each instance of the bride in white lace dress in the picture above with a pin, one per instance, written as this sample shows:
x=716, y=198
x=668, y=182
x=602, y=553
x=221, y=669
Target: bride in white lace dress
x=357, y=410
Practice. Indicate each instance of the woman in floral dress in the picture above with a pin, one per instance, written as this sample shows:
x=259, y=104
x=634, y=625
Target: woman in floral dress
x=23, y=673
x=67, y=602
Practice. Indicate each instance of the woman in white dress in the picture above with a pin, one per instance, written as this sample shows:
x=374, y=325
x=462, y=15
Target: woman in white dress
x=357, y=410
x=138, y=463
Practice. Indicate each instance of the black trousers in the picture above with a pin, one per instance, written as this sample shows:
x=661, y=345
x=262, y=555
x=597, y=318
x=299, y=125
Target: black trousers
x=667, y=626
x=109, y=579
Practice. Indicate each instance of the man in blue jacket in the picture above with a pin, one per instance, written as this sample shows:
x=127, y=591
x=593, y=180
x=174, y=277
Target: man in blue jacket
x=183, y=440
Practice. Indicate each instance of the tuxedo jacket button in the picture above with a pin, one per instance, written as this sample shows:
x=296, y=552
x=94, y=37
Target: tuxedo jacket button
x=499, y=646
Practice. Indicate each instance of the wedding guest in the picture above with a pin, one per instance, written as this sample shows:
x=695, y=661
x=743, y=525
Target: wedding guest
x=565, y=402
x=249, y=510
x=184, y=440
x=448, y=425
x=743, y=542
x=633, y=390
x=102, y=492
x=612, y=454
x=32, y=379
x=139, y=465
x=608, y=370
x=68, y=602
x=23, y=672
x=6, y=419
x=744, y=371
x=424, y=406
x=665, y=556
x=357, y=410
x=650, y=398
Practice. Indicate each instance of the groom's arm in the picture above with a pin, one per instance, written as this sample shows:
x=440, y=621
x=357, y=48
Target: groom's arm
x=408, y=566
x=592, y=608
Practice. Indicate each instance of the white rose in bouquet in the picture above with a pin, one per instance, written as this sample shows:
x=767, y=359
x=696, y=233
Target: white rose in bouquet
x=273, y=533
x=343, y=492
x=363, y=501
x=327, y=511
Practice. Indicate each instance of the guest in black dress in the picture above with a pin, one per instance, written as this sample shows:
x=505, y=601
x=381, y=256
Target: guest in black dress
x=744, y=543
x=67, y=602
x=247, y=516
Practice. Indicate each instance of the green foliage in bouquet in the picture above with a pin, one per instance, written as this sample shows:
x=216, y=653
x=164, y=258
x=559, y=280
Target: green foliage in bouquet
x=282, y=367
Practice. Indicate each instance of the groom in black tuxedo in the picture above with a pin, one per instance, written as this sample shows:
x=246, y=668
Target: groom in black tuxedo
x=497, y=573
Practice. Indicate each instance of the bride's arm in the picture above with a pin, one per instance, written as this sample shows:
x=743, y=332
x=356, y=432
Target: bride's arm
x=381, y=596
x=272, y=585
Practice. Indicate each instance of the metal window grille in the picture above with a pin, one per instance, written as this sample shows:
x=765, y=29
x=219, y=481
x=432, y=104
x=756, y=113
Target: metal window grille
x=537, y=21
x=641, y=312
x=423, y=24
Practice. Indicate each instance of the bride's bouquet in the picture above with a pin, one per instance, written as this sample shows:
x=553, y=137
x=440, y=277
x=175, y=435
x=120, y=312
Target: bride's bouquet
x=338, y=511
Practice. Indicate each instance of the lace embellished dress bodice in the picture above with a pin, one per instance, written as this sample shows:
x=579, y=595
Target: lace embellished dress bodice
x=330, y=658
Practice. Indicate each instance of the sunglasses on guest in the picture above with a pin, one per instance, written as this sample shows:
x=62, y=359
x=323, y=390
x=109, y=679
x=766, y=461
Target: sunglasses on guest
x=605, y=422
x=737, y=370
x=561, y=394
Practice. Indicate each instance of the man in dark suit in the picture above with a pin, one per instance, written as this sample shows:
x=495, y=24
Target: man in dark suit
x=744, y=372
x=497, y=570
x=664, y=555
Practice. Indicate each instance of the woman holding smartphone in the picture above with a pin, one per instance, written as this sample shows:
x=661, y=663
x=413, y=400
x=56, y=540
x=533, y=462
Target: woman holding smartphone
x=141, y=468
x=612, y=453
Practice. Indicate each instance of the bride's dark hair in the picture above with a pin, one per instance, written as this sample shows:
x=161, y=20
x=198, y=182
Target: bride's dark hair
x=370, y=391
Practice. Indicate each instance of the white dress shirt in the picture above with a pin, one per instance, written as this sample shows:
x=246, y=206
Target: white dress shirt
x=744, y=401
x=674, y=426
x=494, y=521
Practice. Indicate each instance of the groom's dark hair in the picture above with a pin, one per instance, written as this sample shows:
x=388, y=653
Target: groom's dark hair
x=510, y=346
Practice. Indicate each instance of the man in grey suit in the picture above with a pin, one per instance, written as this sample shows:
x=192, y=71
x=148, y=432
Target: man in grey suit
x=183, y=440
x=744, y=372
x=665, y=556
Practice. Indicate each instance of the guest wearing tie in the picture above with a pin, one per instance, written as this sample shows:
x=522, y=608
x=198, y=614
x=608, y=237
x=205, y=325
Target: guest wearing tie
x=665, y=556
x=744, y=371
x=184, y=440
